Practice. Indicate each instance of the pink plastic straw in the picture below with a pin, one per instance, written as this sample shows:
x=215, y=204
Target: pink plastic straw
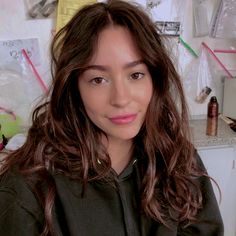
x=218, y=60
x=35, y=71
x=224, y=51
x=8, y=112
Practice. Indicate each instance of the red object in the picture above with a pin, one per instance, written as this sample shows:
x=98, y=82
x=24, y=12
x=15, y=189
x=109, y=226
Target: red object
x=1, y=146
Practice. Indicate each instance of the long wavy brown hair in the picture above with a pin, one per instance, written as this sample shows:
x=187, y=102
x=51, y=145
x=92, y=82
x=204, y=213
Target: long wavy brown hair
x=63, y=140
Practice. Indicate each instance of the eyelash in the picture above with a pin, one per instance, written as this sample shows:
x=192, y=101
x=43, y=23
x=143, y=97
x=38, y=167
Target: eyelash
x=140, y=75
x=100, y=80
x=94, y=80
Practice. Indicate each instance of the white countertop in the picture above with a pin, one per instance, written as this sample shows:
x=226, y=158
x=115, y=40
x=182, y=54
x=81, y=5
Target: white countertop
x=225, y=136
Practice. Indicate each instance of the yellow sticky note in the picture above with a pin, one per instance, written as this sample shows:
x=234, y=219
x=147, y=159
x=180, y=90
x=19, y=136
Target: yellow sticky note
x=67, y=8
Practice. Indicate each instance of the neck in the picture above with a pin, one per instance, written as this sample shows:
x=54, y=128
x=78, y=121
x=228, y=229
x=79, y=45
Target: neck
x=120, y=152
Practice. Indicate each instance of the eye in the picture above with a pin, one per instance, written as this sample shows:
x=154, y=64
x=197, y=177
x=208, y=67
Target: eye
x=137, y=75
x=98, y=80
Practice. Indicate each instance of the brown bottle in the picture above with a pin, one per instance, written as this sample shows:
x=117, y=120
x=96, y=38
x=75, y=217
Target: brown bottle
x=212, y=117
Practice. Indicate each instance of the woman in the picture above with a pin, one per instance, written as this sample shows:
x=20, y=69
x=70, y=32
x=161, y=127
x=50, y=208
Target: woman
x=109, y=153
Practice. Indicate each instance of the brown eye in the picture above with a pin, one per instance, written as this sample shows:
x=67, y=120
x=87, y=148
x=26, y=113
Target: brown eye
x=98, y=80
x=137, y=75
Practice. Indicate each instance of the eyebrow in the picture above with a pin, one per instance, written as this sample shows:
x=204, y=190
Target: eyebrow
x=106, y=68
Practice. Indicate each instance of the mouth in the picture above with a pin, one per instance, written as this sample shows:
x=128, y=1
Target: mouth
x=123, y=119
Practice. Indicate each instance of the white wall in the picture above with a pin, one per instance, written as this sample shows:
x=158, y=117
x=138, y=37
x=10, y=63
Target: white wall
x=229, y=60
x=15, y=25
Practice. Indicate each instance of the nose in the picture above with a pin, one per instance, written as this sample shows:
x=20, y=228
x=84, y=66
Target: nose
x=120, y=95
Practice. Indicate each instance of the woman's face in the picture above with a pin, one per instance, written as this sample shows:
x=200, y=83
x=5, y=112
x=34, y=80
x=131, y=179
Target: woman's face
x=116, y=87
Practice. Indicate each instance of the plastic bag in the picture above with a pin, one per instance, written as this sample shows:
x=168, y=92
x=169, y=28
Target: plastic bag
x=223, y=23
x=200, y=83
x=186, y=54
x=200, y=19
x=12, y=100
x=199, y=79
x=38, y=9
x=19, y=93
x=166, y=10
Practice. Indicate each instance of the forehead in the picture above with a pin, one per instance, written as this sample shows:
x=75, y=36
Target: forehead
x=115, y=42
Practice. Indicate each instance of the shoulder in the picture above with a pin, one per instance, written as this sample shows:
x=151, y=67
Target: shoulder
x=16, y=193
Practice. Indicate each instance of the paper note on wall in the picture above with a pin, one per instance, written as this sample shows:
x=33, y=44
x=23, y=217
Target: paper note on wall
x=12, y=50
x=67, y=8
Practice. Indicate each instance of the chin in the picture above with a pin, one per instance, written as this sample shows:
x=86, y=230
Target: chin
x=125, y=135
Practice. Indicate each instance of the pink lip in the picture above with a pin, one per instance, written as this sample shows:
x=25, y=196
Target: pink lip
x=125, y=119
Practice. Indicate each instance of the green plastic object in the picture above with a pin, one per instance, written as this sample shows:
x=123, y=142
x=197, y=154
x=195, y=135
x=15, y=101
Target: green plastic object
x=9, y=126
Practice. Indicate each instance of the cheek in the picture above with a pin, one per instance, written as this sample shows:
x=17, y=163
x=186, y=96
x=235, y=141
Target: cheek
x=145, y=94
x=88, y=97
x=93, y=102
x=149, y=93
x=93, y=107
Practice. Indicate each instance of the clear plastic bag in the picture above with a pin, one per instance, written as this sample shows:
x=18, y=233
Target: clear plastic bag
x=223, y=23
x=199, y=78
x=167, y=10
x=186, y=54
x=19, y=93
x=200, y=82
x=204, y=73
x=39, y=9
x=200, y=18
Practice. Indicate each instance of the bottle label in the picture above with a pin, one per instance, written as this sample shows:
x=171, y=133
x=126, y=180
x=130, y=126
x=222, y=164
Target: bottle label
x=213, y=111
x=212, y=126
